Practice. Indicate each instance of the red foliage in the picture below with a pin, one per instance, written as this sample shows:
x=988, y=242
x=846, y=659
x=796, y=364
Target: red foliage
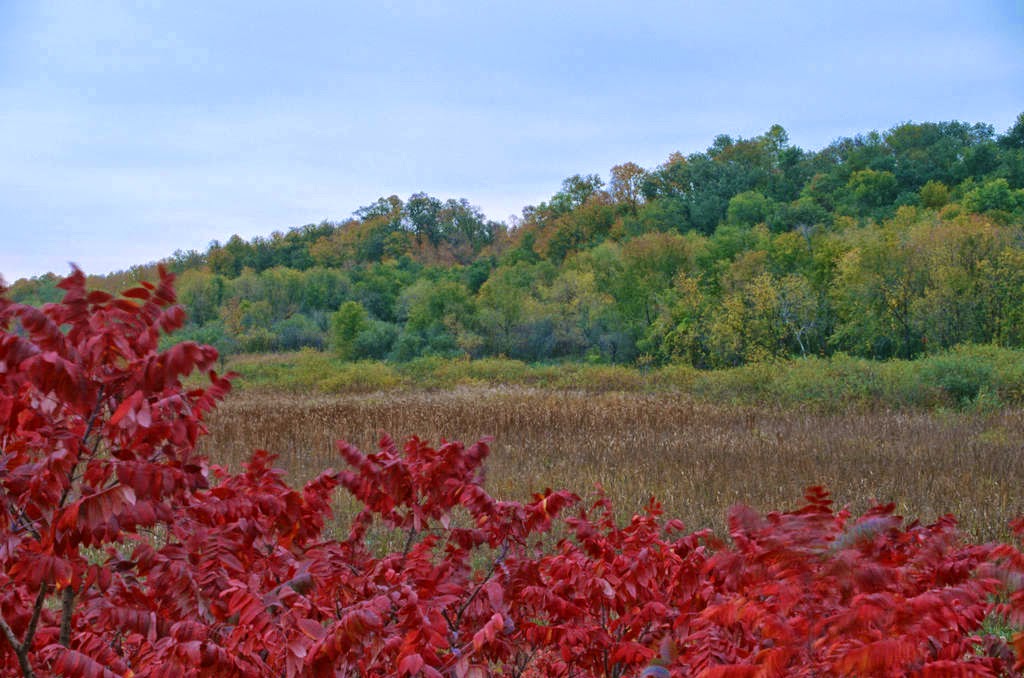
x=124, y=553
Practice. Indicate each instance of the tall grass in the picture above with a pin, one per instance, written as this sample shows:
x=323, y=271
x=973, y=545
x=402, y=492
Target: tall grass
x=697, y=457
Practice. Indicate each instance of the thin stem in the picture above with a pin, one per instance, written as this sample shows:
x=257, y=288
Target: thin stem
x=67, y=601
x=84, y=443
x=408, y=543
x=23, y=522
x=480, y=586
x=37, y=609
x=20, y=650
x=9, y=634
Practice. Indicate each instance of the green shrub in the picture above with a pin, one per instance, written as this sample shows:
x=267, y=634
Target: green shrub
x=375, y=341
x=485, y=370
x=425, y=371
x=980, y=377
x=960, y=374
x=298, y=331
x=600, y=378
x=359, y=377
x=257, y=340
x=678, y=377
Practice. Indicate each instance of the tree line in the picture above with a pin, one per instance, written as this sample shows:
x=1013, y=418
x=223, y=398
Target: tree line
x=880, y=245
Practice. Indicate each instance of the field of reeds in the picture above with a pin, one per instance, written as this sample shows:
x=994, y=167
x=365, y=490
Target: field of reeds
x=697, y=458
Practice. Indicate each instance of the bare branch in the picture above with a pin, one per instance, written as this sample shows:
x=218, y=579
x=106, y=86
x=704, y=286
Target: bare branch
x=67, y=601
x=20, y=649
x=37, y=609
x=9, y=635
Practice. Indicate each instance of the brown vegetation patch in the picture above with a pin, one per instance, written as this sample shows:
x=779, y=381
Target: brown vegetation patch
x=697, y=458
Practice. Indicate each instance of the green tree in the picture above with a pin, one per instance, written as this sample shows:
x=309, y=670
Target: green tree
x=748, y=208
x=874, y=294
x=662, y=214
x=745, y=325
x=574, y=308
x=576, y=190
x=952, y=307
x=580, y=229
x=679, y=331
x=1001, y=296
x=298, y=331
x=376, y=341
x=436, y=315
x=283, y=288
x=801, y=315
x=378, y=286
x=422, y=212
x=934, y=194
x=505, y=302
x=994, y=195
x=870, y=193
x=347, y=323
x=201, y=293
x=323, y=289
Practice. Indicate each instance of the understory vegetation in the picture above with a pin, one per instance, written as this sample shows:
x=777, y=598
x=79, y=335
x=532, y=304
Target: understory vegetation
x=981, y=378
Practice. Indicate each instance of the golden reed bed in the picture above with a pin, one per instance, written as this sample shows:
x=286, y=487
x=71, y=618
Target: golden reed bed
x=698, y=459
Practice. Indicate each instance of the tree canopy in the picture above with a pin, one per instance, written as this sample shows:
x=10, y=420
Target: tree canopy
x=885, y=244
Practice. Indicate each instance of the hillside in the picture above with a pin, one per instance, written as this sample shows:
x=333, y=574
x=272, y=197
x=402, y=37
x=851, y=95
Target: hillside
x=882, y=245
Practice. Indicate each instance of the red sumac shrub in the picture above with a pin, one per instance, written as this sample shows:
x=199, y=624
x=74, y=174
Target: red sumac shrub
x=123, y=553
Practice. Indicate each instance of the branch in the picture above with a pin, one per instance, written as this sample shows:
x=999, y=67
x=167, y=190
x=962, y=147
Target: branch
x=37, y=609
x=67, y=609
x=93, y=415
x=9, y=635
x=454, y=626
x=408, y=544
x=521, y=667
x=480, y=586
x=21, y=650
x=23, y=521
x=85, y=444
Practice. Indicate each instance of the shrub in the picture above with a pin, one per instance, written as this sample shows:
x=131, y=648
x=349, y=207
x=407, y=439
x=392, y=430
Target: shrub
x=599, y=378
x=375, y=341
x=345, y=326
x=358, y=377
x=298, y=331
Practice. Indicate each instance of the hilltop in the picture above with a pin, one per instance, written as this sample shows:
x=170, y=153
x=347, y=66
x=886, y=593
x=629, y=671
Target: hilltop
x=882, y=245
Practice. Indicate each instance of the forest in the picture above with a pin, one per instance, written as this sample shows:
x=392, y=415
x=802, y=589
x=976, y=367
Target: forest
x=882, y=245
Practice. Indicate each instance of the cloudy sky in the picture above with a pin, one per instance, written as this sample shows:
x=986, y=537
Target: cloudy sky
x=131, y=129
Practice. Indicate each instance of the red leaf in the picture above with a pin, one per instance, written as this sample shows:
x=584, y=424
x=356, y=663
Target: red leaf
x=74, y=663
x=127, y=405
x=489, y=631
x=137, y=293
x=410, y=665
x=313, y=629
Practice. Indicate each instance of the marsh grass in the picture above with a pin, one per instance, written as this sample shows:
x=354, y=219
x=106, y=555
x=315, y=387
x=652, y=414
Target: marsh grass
x=697, y=458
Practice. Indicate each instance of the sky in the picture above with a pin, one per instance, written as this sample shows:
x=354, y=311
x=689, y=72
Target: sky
x=129, y=130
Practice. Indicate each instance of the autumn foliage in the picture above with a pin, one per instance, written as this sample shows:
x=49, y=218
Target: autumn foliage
x=124, y=553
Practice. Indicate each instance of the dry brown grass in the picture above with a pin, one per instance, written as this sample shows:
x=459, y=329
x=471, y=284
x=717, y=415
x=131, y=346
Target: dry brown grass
x=698, y=459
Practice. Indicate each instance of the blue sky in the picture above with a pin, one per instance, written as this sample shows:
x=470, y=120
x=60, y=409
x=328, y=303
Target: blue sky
x=131, y=129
